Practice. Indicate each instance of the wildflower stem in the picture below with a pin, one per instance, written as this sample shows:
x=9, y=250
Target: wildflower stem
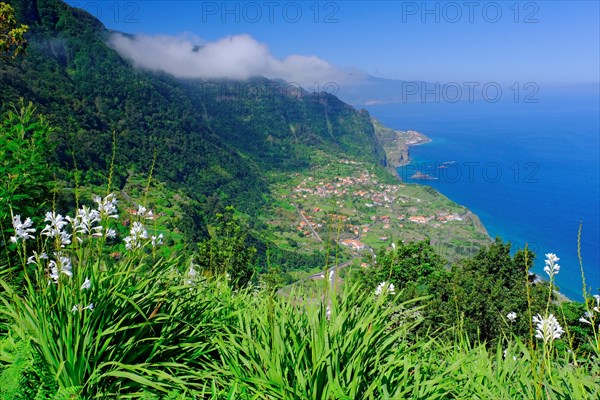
x=76, y=178
x=528, y=289
x=584, y=286
x=150, y=173
x=112, y=163
x=6, y=253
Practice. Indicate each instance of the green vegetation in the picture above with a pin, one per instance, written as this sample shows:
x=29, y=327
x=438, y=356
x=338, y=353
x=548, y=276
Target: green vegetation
x=126, y=272
x=102, y=305
x=12, y=40
x=359, y=206
x=24, y=175
x=83, y=323
x=217, y=144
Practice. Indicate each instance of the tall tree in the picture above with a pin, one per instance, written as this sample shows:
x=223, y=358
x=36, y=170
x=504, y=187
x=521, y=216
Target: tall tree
x=12, y=35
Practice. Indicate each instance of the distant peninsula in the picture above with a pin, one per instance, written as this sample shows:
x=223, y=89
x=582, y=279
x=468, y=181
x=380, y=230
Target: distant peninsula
x=396, y=144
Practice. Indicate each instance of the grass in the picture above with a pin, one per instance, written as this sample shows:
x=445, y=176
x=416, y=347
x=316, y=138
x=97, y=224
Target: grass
x=159, y=330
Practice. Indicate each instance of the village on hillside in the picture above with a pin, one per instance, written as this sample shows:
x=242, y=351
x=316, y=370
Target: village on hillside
x=346, y=202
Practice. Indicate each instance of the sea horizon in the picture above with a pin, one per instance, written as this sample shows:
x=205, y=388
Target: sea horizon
x=530, y=171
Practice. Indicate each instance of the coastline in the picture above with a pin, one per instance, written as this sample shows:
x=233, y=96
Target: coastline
x=422, y=179
x=396, y=144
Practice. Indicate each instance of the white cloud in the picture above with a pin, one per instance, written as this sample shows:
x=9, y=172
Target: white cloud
x=235, y=57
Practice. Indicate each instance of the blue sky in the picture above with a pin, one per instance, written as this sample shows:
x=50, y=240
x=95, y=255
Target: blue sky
x=549, y=42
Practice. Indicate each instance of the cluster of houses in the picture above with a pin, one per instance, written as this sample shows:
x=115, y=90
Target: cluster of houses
x=353, y=244
x=342, y=186
x=307, y=223
x=413, y=137
x=364, y=186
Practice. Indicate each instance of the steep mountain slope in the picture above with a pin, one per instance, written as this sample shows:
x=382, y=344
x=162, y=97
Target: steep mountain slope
x=208, y=138
x=213, y=144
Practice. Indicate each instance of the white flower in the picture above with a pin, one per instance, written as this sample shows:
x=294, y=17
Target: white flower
x=55, y=228
x=22, y=229
x=77, y=307
x=191, y=275
x=587, y=315
x=144, y=213
x=110, y=233
x=65, y=238
x=385, y=288
x=107, y=207
x=547, y=329
x=65, y=266
x=35, y=258
x=86, y=284
x=136, y=234
x=84, y=221
x=62, y=265
x=552, y=268
x=512, y=316
x=157, y=240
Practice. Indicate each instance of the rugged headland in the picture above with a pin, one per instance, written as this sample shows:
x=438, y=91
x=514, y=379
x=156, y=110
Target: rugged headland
x=396, y=144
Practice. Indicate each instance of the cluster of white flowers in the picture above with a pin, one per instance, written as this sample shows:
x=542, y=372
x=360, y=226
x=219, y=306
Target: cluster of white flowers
x=56, y=228
x=512, y=316
x=136, y=234
x=548, y=328
x=142, y=212
x=84, y=221
x=62, y=265
x=107, y=206
x=87, y=222
x=385, y=288
x=23, y=230
x=552, y=268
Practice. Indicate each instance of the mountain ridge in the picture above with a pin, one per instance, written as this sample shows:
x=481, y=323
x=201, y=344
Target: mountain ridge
x=88, y=91
x=216, y=143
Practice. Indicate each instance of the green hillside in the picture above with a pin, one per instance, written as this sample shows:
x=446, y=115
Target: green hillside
x=206, y=143
x=211, y=144
x=168, y=239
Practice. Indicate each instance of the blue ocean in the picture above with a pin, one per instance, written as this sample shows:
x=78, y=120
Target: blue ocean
x=530, y=171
